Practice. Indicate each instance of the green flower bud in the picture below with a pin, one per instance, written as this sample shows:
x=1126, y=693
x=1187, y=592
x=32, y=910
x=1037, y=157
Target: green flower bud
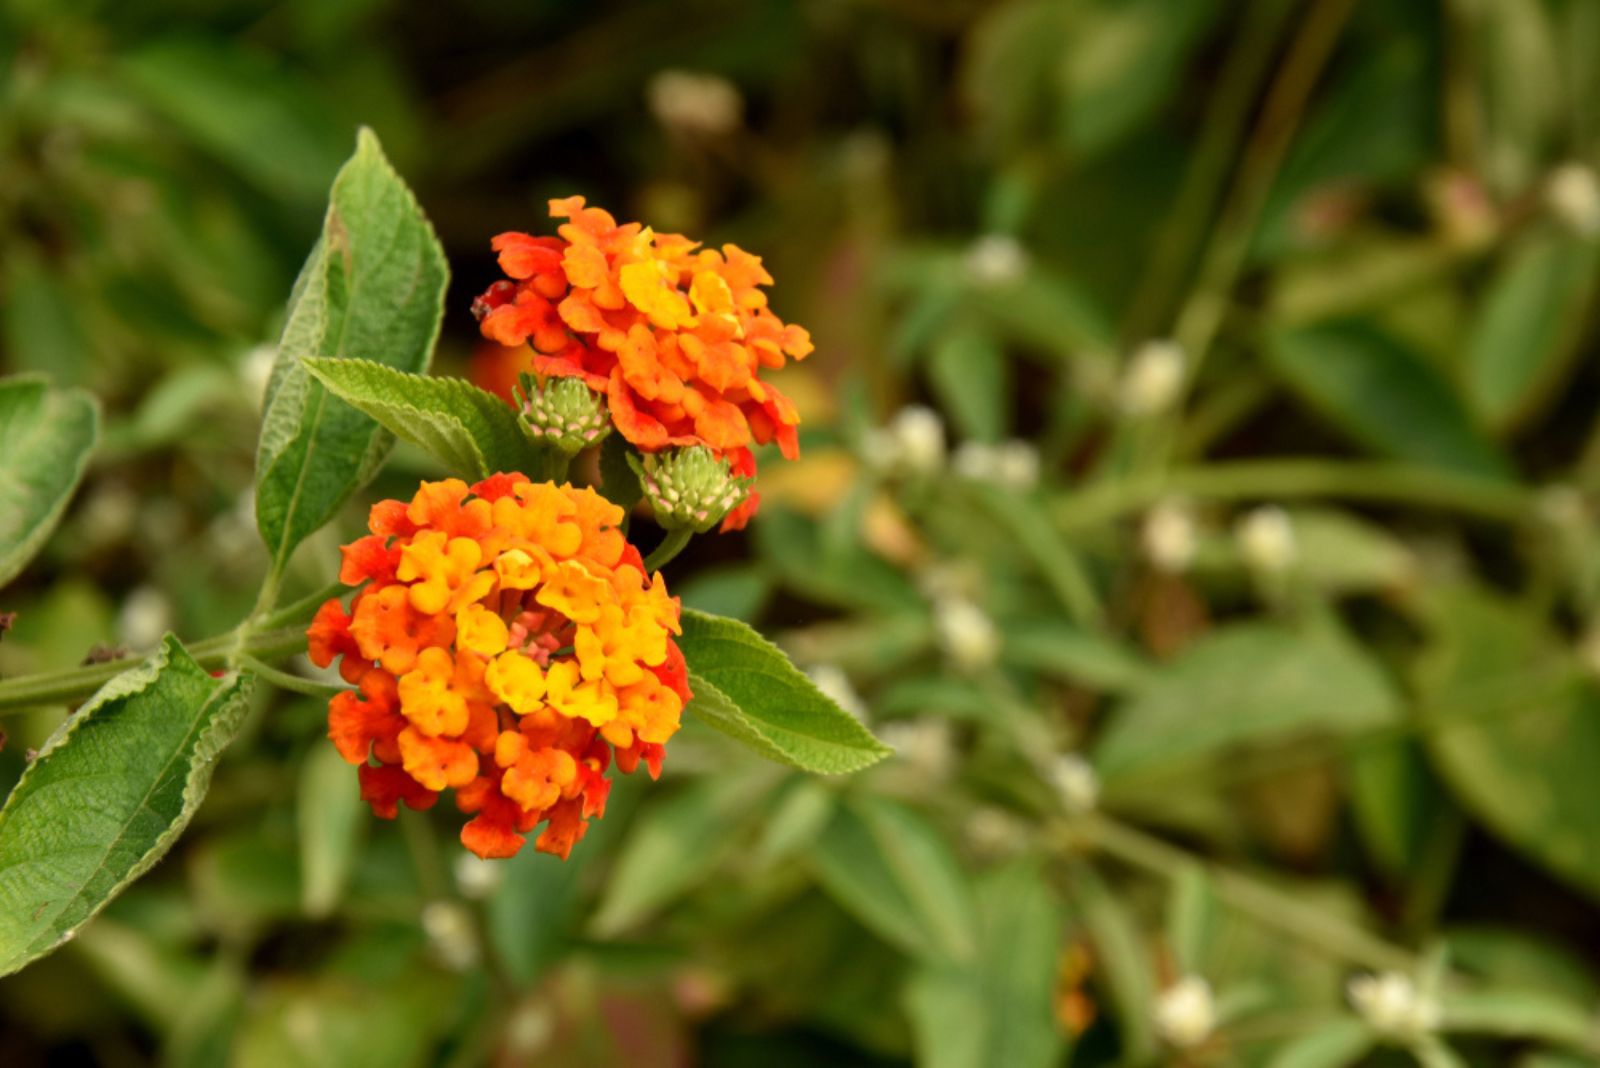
x=564, y=412
x=690, y=487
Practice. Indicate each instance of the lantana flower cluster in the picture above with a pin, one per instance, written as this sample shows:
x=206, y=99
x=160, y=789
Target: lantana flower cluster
x=673, y=334
x=507, y=643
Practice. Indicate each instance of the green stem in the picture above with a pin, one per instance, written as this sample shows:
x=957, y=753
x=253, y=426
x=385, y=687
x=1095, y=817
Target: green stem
x=294, y=683
x=670, y=546
x=71, y=686
x=1301, y=478
x=303, y=608
x=1267, y=905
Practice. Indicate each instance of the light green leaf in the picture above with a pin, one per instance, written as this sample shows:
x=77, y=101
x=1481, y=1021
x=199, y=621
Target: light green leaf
x=1517, y=732
x=1250, y=682
x=1059, y=650
x=1528, y=325
x=335, y=1022
x=972, y=379
x=473, y=432
x=1337, y=552
x=46, y=438
x=1336, y=1044
x=886, y=865
x=1122, y=959
x=1192, y=918
x=746, y=688
x=331, y=817
x=1384, y=395
x=108, y=795
x=372, y=289
x=998, y=1011
x=1508, y=1013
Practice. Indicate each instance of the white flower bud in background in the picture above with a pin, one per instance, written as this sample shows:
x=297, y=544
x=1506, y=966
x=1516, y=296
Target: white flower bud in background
x=835, y=684
x=705, y=105
x=912, y=444
x=923, y=744
x=108, y=515
x=1153, y=378
x=1075, y=782
x=992, y=833
x=1011, y=464
x=1266, y=539
x=256, y=370
x=529, y=1031
x=452, y=939
x=1572, y=193
x=1392, y=1005
x=1169, y=538
x=995, y=260
x=1561, y=505
x=478, y=878
x=145, y=617
x=966, y=633
x=1186, y=1013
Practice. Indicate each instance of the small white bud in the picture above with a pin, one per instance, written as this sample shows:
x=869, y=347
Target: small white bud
x=478, y=878
x=966, y=633
x=256, y=370
x=995, y=260
x=834, y=683
x=1011, y=464
x=918, y=435
x=451, y=936
x=1186, y=1013
x=1153, y=378
x=706, y=105
x=1572, y=193
x=1075, y=782
x=1561, y=505
x=146, y=615
x=1169, y=537
x=1392, y=1005
x=993, y=833
x=924, y=744
x=1266, y=539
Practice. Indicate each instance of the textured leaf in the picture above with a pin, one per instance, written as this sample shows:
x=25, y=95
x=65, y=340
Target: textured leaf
x=473, y=432
x=108, y=795
x=373, y=289
x=998, y=1012
x=46, y=437
x=1249, y=682
x=1528, y=327
x=885, y=864
x=1384, y=395
x=745, y=687
x=1519, y=736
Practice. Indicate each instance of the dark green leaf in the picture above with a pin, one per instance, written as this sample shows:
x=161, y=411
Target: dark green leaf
x=745, y=687
x=46, y=438
x=108, y=795
x=1384, y=395
x=372, y=289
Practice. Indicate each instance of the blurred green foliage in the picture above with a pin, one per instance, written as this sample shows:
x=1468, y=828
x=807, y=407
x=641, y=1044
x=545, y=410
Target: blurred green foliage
x=1313, y=589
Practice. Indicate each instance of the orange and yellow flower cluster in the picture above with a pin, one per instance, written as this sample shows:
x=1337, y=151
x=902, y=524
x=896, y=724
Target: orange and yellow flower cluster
x=509, y=644
x=673, y=334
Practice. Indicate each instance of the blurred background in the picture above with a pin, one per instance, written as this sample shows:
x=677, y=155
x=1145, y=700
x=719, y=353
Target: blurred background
x=1198, y=490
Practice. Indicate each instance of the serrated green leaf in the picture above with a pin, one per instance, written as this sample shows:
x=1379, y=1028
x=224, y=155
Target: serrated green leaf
x=1248, y=682
x=1528, y=326
x=746, y=688
x=46, y=438
x=108, y=795
x=1000, y=1011
x=473, y=432
x=373, y=289
x=889, y=867
x=1381, y=393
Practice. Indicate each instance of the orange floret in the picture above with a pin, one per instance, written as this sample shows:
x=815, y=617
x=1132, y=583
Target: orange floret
x=505, y=639
x=673, y=334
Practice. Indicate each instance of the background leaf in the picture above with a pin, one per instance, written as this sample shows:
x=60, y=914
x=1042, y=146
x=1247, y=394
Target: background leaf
x=372, y=289
x=108, y=795
x=46, y=439
x=751, y=692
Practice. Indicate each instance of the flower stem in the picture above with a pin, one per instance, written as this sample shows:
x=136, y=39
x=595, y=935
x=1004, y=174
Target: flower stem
x=286, y=681
x=671, y=546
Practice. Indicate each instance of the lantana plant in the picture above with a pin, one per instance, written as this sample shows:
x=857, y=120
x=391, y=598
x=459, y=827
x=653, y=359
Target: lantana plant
x=501, y=633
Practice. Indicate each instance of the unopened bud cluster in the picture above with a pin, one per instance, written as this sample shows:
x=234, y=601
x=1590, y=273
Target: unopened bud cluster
x=564, y=412
x=691, y=487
